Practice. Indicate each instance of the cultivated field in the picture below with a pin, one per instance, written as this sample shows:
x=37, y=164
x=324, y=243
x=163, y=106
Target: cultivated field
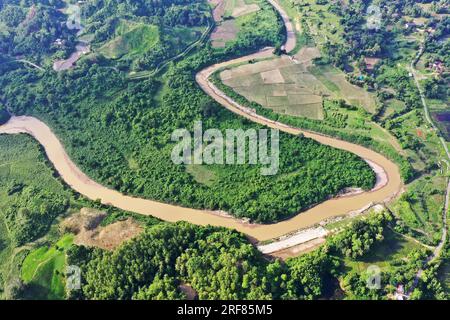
x=135, y=41
x=294, y=86
x=225, y=13
x=43, y=270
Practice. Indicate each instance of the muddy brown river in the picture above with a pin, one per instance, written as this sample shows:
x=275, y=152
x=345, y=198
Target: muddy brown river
x=81, y=183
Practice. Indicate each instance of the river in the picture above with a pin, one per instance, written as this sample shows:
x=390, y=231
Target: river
x=339, y=206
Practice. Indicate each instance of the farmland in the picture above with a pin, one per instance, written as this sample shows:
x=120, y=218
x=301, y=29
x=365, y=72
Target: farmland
x=231, y=17
x=295, y=87
x=43, y=270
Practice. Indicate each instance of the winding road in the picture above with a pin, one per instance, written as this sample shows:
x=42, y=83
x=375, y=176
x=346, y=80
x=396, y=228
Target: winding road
x=81, y=183
x=436, y=253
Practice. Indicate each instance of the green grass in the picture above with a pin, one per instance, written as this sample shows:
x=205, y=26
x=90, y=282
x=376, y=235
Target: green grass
x=318, y=72
x=21, y=160
x=136, y=41
x=201, y=174
x=43, y=270
x=21, y=163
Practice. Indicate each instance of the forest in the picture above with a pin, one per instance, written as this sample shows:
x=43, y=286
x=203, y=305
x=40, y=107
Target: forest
x=216, y=263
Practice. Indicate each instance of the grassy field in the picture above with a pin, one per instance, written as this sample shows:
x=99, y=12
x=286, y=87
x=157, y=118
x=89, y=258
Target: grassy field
x=139, y=39
x=201, y=174
x=335, y=81
x=44, y=270
x=21, y=164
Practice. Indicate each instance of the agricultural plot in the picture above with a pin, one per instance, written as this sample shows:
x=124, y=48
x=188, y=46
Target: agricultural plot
x=44, y=270
x=294, y=86
x=226, y=13
x=133, y=42
x=336, y=82
x=392, y=106
x=226, y=9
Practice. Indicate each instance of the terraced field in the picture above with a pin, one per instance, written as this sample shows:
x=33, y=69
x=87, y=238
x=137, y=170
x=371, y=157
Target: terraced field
x=294, y=86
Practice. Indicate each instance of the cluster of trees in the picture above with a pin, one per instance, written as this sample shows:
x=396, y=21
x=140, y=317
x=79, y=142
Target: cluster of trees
x=32, y=28
x=397, y=78
x=436, y=88
x=257, y=30
x=215, y=263
x=360, y=236
x=4, y=115
x=31, y=211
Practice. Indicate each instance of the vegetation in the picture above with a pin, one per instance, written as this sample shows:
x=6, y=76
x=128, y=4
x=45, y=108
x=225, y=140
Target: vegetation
x=44, y=271
x=120, y=135
x=4, y=115
x=216, y=263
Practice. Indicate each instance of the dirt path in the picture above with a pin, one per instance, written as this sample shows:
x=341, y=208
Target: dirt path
x=81, y=183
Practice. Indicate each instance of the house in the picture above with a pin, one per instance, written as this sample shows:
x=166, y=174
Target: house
x=370, y=63
x=400, y=293
x=438, y=66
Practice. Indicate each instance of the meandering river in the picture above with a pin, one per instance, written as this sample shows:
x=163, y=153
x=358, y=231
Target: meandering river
x=81, y=183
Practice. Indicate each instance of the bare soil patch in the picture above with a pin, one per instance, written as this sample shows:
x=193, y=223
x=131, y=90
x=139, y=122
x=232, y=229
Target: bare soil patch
x=223, y=33
x=86, y=226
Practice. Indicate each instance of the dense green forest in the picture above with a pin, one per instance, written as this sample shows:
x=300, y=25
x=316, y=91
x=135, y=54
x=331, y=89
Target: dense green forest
x=220, y=264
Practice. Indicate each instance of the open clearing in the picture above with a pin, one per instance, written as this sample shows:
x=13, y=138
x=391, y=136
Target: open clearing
x=89, y=233
x=136, y=41
x=225, y=13
x=223, y=33
x=44, y=268
x=232, y=8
